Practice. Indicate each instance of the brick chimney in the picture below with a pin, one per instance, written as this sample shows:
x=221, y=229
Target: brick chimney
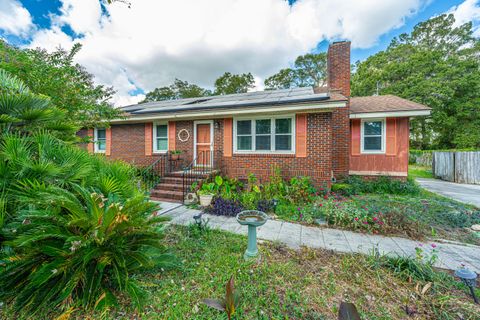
x=338, y=67
x=338, y=80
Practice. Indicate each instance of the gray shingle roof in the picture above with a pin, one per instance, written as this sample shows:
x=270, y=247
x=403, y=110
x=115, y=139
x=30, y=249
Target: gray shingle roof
x=386, y=103
x=249, y=99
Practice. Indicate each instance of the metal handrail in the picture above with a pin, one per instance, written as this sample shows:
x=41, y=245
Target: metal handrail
x=154, y=173
x=194, y=170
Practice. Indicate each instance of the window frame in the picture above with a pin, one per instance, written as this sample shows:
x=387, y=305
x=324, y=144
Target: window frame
x=154, y=137
x=95, y=140
x=272, y=134
x=382, y=136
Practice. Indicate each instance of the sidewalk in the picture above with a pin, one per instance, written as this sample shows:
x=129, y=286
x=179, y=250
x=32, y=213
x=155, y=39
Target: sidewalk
x=466, y=193
x=451, y=256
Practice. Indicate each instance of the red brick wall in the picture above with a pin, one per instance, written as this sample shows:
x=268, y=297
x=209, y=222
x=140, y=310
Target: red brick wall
x=339, y=79
x=128, y=144
x=317, y=164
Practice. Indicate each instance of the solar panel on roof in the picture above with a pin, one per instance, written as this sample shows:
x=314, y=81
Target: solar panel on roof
x=268, y=97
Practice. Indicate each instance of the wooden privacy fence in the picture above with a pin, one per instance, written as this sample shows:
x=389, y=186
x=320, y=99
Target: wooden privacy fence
x=458, y=166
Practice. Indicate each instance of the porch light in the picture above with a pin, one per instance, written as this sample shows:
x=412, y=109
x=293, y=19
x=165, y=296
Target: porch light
x=198, y=219
x=469, y=278
x=274, y=203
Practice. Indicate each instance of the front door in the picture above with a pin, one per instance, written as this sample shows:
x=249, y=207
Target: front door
x=203, y=143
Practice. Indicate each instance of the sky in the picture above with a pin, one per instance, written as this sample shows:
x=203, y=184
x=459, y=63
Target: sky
x=148, y=44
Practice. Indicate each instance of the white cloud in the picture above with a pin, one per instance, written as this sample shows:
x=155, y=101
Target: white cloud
x=469, y=10
x=14, y=18
x=154, y=42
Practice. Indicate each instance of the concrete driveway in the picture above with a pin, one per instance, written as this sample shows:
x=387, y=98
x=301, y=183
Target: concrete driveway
x=466, y=193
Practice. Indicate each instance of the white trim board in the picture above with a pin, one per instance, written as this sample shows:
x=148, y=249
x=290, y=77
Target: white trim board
x=325, y=107
x=390, y=114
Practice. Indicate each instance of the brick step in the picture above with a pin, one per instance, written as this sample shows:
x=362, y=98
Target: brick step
x=167, y=194
x=172, y=180
x=169, y=186
x=179, y=174
x=165, y=200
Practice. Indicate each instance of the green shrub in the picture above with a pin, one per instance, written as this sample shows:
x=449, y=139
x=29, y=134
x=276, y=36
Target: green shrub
x=382, y=185
x=76, y=226
x=342, y=188
x=78, y=249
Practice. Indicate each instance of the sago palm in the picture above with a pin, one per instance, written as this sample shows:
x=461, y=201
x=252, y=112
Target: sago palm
x=79, y=249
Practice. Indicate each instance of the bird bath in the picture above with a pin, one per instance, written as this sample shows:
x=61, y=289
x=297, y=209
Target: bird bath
x=252, y=219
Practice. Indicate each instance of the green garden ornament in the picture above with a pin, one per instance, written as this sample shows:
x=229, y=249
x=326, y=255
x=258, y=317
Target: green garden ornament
x=253, y=219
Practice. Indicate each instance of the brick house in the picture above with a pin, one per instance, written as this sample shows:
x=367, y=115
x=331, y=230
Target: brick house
x=316, y=132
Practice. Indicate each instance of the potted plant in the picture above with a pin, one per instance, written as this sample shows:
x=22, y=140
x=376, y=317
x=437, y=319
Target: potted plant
x=175, y=154
x=206, y=194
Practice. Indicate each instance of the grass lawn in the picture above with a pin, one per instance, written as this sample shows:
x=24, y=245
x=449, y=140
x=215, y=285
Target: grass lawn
x=306, y=284
x=415, y=171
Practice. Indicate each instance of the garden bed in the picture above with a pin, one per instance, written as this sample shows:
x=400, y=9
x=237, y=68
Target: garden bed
x=421, y=216
x=306, y=284
x=383, y=206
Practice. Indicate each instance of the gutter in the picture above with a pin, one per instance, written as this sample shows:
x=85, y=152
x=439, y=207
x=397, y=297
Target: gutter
x=385, y=114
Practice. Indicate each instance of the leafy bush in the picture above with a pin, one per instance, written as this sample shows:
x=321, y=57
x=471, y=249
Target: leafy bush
x=382, y=185
x=225, y=207
x=43, y=158
x=265, y=205
x=342, y=188
x=76, y=227
x=78, y=247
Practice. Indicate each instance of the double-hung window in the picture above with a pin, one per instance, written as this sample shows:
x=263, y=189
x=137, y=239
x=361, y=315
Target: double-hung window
x=160, y=137
x=264, y=135
x=373, y=136
x=100, y=139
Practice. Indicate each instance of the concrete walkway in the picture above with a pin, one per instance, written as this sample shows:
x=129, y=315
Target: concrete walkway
x=466, y=193
x=451, y=256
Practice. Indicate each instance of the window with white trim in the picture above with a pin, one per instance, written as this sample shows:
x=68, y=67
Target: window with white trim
x=160, y=137
x=373, y=136
x=264, y=135
x=100, y=140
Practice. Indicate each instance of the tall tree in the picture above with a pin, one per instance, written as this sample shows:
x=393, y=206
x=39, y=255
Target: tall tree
x=70, y=87
x=310, y=70
x=234, y=83
x=437, y=65
x=178, y=90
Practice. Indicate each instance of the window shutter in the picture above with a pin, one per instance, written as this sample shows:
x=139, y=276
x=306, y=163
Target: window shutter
x=172, y=130
x=148, y=138
x=301, y=136
x=90, y=145
x=227, y=137
x=391, y=136
x=356, y=136
x=108, y=141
